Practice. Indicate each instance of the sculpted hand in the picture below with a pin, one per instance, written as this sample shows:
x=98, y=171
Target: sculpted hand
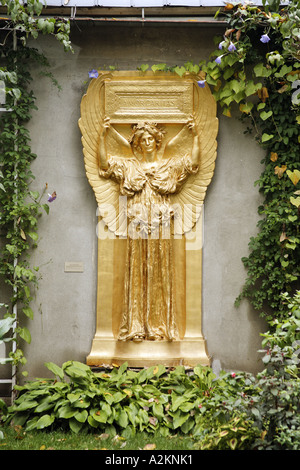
x=191, y=125
x=105, y=127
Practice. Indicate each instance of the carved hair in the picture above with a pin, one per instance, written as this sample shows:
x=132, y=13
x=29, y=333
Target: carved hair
x=139, y=129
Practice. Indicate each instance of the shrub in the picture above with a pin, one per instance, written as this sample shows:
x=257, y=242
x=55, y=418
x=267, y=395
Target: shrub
x=121, y=401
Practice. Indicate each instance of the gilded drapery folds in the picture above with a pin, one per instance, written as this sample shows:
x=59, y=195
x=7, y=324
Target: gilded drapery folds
x=149, y=143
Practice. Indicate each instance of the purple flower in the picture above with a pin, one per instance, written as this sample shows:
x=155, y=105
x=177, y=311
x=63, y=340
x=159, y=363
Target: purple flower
x=265, y=38
x=231, y=47
x=221, y=45
x=93, y=73
x=52, y=197
x=201, y=83
x=218, y=59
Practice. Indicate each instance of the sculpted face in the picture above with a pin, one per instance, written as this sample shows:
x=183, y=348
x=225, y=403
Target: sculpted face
x=148, y=143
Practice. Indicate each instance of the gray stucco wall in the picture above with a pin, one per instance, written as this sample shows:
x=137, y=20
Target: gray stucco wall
x=64, y=323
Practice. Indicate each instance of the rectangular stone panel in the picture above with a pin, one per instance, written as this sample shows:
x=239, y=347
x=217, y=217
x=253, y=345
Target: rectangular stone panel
x=167, y=101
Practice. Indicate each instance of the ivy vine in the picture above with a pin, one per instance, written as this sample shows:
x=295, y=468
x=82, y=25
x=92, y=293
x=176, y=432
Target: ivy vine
x=255, y=68
x=21, y=205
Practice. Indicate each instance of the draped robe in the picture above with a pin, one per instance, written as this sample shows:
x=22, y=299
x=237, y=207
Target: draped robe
x=148, y=303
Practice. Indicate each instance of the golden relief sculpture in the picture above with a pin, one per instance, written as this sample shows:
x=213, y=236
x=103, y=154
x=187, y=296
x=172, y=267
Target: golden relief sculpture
x=149, y=144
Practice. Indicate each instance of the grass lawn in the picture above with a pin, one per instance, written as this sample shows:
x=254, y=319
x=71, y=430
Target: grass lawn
x=15, y=438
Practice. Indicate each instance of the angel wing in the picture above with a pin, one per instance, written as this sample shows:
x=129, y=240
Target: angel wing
x=189, y=200
x=191, y=196
x=106, y=190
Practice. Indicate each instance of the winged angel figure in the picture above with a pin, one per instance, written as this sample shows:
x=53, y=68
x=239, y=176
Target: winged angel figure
x=163, y=183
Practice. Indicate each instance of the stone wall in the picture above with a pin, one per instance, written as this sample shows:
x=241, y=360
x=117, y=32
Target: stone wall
x=65, y=302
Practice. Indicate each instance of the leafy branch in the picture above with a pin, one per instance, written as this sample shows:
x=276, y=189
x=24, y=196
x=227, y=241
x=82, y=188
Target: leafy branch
x=21, y=206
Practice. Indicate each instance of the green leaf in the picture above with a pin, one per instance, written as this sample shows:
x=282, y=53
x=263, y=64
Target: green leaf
x=123, y=419
x=261, y=106
x=158, y=410
x=66, y=412
x=75, y=425
x=73, y=397
x=34, y=194
x=27, y=405
x=143, y=415
x=283, y=71
x=188, y=425
x=295, y=201
x=16, y=92
x=25, y=334
x=46, y=208
x=284, y=264
x=28, y=312
x=186, y=407
x=123, y=368
x=118, y=396
x=33, y=235
x=5, y=326
x=45, y=421
x=246, y=107
x=177, y=401
x=142, y=376
x=266, y=358
x=228, y=73
x=251, y=88
x=45, y=405
x=81, y=416
x=55, y=369
x=31, y=424
x=265, y=115
x=144, y=67
x=27, y=292
x=92, y=422
x=261, y=71
x=180, y=71
x=100, y=416
x=179, y=419
x=83, y=403
x=158, y=67
x=266, y=137
x=76, y=369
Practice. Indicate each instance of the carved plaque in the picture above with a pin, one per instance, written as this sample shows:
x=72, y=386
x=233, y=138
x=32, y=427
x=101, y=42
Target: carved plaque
x=169, y=101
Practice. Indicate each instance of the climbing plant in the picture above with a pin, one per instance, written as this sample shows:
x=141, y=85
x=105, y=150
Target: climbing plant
x=255, y=69
x=21, y=204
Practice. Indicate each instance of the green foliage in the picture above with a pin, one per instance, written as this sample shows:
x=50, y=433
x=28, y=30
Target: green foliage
x=122, y=401
x=236, y=434
x=285, y=333
x=234, y=411
x=21, y=205
x=25, y=18
x=256, y=68
x=275, y=403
